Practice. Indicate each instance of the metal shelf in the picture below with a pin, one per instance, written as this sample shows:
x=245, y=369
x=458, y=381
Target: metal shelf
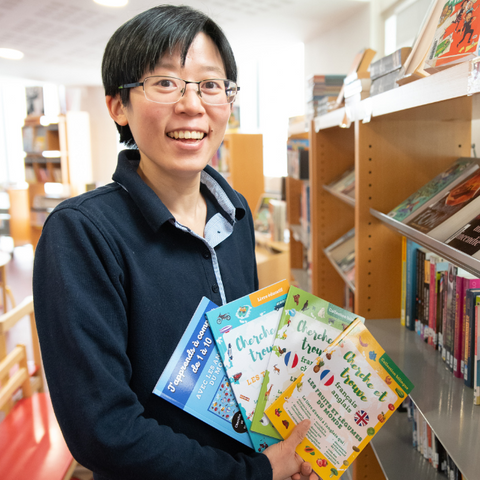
x=453, y=255
x=445, y=402
x=345, y=198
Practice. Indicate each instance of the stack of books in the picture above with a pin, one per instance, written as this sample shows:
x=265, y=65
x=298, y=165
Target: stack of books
x=259, y=365
x=385, y=72
x=322, y=93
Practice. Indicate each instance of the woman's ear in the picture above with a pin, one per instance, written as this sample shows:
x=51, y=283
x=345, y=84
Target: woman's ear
x=116, y=109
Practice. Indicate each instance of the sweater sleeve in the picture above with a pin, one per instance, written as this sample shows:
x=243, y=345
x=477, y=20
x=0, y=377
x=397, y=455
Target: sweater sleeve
x=81, y=308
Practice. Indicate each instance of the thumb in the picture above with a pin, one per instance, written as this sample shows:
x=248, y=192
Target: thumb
x=298, y=433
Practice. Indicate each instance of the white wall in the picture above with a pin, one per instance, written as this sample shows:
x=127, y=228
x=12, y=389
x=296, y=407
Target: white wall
x=103, y=135
x=333, y=51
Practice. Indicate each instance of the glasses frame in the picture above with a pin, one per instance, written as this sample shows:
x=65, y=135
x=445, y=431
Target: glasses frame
x=199, y=92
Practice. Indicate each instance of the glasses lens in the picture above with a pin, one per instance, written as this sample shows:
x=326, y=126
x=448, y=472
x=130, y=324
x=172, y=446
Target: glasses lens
x=163, y=89
x=218, y=91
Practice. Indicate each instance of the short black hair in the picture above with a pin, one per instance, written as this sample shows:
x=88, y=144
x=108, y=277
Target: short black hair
x=137, y=46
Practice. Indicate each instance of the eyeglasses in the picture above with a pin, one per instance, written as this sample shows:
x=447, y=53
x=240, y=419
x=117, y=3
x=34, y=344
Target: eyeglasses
x=169, y=90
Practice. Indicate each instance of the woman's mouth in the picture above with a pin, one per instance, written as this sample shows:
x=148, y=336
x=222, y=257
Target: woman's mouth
x=186, y=135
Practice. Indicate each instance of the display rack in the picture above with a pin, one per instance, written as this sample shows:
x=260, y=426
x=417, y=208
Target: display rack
x=398, y=141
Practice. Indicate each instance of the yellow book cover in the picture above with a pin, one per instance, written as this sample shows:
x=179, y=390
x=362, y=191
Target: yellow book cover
x=348, y=394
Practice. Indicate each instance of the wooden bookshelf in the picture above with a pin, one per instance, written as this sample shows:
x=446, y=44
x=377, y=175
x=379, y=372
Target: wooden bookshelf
x=299, y=239
x=243, y=165
x=398, y=141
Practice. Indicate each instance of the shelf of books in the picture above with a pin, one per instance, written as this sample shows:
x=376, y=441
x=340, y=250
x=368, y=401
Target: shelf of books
x=297, y=190
x=445, y=402
x=399, y=141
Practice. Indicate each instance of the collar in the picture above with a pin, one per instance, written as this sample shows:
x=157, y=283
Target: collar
x=153, y=209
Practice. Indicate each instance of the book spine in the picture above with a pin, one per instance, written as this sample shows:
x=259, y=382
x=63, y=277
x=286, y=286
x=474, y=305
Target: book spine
x=458, y=328
x=469, y=337
x=403, y=311
x=432, y=304
x=444, y=316
x=411, y=274
x=476, y=372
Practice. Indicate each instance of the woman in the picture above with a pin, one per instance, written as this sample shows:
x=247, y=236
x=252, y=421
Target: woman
x=119, y=271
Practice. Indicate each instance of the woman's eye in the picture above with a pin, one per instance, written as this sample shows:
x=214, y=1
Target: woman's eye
x=211, y=85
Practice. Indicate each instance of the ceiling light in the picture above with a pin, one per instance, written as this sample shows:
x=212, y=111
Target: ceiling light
x=11, y=54
x=112, y=3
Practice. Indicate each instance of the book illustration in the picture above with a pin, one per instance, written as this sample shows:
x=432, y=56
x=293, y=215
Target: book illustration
x=308, y=325
x=244, y=331
x=457, y=171
x=467, y=239
x=456, y=36
x=451, y=202
x=348, y=395
x=195, y=379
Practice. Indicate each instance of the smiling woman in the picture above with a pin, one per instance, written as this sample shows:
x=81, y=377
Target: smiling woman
x=130, y=262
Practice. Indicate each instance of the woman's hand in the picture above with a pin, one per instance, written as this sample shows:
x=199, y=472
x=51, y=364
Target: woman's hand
x=286, y=463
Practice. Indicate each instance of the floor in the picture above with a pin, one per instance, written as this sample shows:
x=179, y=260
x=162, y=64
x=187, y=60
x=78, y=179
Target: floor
x=19, y=279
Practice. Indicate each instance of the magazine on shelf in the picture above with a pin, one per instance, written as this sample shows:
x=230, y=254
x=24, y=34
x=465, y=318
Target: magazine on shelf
x=308, y=325
x=342, y=252
x=456, y=207
x=348, y=393
x=195, y=379
x=345, y=183
x=244, y=331
x=434, y=189
x=467, y=238
x=456, y=37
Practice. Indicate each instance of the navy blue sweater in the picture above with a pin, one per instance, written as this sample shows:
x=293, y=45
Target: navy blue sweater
x=115, y=285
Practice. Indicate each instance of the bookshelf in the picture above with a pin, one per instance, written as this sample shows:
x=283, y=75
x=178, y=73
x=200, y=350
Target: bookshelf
x=299, y=239
x=397, y=140
x=45, y=161
x=240, y=160
x=60, y=153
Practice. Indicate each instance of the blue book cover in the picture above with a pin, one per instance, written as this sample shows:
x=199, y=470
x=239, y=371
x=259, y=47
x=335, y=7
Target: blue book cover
x=195, y=379
x=244, y=331
x=411, y=284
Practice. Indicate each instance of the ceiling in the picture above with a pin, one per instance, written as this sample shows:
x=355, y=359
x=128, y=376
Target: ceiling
x=63, y=40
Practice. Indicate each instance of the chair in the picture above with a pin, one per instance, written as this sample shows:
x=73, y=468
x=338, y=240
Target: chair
x=7, y=321
x=31, y=443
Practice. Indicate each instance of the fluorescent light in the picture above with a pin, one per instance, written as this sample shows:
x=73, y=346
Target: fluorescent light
x=51, y=153
x=45, y=121
x=11, y=54
x=112, y=3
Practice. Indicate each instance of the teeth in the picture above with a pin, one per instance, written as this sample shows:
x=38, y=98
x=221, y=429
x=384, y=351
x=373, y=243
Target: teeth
x=186, y=135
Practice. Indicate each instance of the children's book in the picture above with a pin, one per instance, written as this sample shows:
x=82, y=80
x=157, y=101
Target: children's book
x=348, y=394
x=308, y=325
x=456, y=37
x=430, y=191
x=244, y=331
x=195, y=379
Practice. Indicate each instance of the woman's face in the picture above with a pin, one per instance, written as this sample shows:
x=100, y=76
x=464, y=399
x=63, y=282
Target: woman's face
x=155, y=127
